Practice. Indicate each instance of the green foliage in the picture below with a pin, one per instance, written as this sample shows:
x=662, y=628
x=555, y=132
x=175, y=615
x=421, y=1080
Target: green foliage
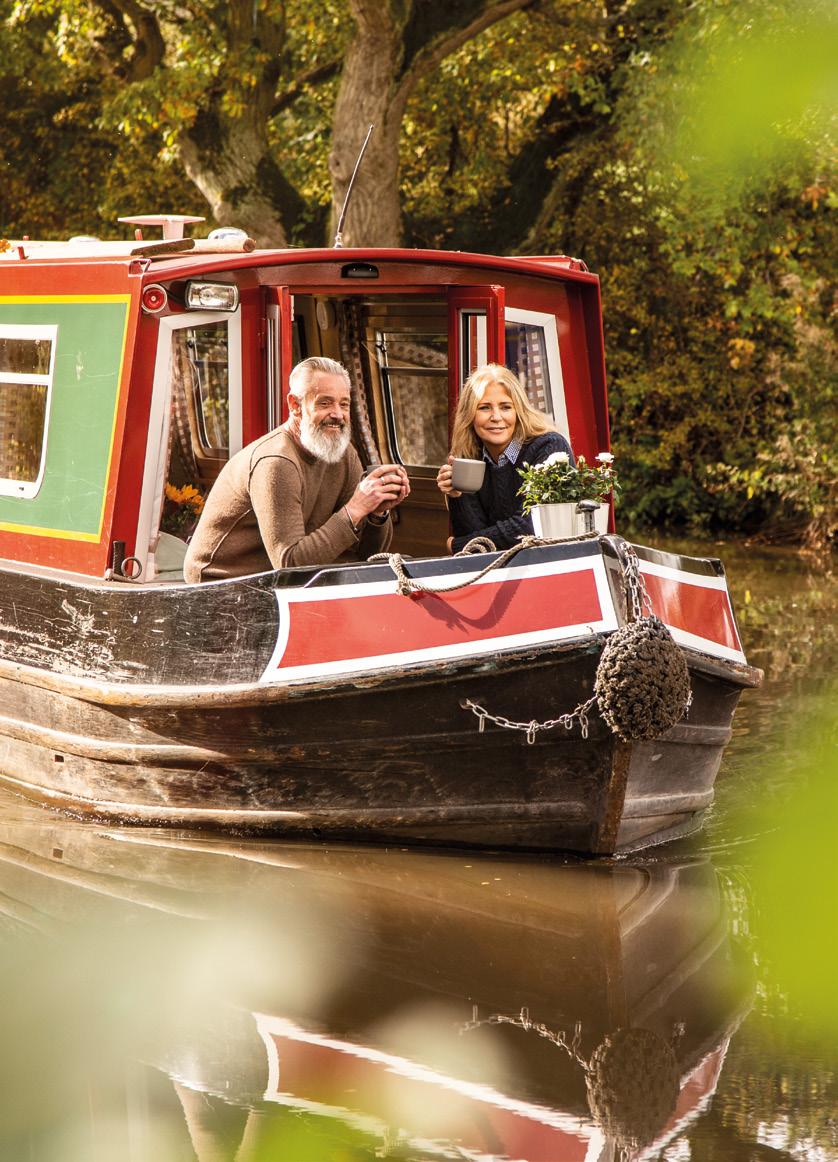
x=684, y=150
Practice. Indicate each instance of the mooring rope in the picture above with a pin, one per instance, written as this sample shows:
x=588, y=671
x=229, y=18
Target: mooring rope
x=407, y=585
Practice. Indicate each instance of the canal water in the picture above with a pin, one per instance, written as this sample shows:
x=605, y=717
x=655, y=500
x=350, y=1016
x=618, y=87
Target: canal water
x=171, y=997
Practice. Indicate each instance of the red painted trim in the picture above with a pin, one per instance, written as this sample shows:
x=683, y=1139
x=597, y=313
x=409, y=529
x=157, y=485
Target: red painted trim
x=707, y=613
x=491, y=300
x=191, y=266
x=254, y=397
x=322, y=1075
x=357, y=627
x=77, y=556
x=286, y=347
x=129, y=484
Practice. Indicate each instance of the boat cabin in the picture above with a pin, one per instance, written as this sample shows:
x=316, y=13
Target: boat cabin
x=127, y=366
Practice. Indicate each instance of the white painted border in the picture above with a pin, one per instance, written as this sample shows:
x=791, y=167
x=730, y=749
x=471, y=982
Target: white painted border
x=702, y=581
x=271, y=1027
x=286, y=598
x=554, y=364
x=157, y=442
x=28, y=489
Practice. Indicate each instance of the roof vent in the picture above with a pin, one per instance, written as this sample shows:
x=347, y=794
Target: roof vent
x=172, y=224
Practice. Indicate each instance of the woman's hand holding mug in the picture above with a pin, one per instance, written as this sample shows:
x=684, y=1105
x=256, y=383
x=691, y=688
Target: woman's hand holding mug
x=444, y=479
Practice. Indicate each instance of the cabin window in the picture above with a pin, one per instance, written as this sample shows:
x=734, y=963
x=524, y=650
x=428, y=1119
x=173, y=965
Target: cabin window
x=201, y=361
x=27, y=355
x=414, y=368
x=532, y=352
x=473, y=344
x=404, y=357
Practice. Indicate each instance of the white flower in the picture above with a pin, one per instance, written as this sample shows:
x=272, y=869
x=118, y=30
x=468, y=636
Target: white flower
x=605, y=458
x=556, y=458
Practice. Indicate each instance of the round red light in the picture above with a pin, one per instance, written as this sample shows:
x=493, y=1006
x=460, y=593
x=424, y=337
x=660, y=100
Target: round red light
x=154, y=299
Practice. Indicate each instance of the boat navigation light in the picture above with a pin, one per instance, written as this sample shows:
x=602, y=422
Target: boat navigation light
x=211, y=296
x=154, y=299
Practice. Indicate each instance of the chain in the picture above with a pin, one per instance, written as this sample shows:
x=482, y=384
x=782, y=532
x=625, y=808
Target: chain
x=636, y=594
x=580, y=715
x=639, y=606
x=571, y=1045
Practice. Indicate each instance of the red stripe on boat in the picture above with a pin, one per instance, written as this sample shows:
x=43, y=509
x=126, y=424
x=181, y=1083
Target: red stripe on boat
x=427, y=1105
x=694, y=609
x=388, y=623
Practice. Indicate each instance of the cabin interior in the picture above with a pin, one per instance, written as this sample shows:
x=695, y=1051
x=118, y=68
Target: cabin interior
x=218, y=379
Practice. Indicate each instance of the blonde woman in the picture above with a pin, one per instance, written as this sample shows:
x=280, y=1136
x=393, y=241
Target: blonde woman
x=496, y=422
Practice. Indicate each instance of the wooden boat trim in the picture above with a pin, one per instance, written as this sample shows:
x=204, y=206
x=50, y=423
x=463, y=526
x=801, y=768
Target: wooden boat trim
x=178, y=755
x=258, y=693
x=351, y=818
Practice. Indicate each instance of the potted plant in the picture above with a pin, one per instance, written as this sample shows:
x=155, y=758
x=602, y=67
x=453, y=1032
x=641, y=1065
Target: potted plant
x=181, y=509
x=553, y=489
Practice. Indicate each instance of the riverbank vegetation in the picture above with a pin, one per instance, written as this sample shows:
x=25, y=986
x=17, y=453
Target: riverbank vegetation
x=682, y=150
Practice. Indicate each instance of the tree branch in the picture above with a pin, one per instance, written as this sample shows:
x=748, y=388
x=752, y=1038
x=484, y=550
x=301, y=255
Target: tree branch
x=148, y=46
x=312, y=76
x=429, y=55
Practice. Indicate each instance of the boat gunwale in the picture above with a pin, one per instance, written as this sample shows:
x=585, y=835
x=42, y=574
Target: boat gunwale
x=256, y=693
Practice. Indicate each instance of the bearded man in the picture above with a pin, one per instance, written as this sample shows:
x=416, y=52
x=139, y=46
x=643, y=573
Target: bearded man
x=297, y=495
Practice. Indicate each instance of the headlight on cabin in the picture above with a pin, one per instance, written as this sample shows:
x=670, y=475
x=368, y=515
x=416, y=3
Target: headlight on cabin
x=211, y=296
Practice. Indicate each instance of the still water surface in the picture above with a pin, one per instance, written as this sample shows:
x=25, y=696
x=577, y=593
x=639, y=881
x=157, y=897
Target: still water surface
x=180, y=997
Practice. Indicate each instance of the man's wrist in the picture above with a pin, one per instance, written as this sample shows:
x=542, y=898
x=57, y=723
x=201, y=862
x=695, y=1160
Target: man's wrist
x=355, y=528
x=379, y=518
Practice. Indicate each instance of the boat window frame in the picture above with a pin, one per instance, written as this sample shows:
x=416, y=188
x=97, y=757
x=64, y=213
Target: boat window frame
x=29, y=489
x=548, y=322
x=160, y=417
x=385, y=371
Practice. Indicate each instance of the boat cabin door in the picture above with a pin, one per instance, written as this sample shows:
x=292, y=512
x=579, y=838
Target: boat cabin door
x=408, y=350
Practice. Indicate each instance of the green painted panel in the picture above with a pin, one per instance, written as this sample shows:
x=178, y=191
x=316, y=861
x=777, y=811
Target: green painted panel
x=84, y=398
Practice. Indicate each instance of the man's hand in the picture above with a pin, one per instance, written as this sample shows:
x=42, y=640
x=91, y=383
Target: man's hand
x=380, y=490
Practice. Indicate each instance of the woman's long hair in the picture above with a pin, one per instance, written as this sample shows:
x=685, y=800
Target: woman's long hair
x=531, y=422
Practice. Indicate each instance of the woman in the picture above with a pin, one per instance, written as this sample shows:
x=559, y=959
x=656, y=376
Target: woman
x=495, y=421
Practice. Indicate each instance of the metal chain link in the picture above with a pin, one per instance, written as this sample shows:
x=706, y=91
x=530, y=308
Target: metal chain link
x=580, y=715
x=636, y=593
x=636, y=598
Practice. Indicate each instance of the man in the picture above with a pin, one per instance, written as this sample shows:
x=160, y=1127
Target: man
x=296, y=496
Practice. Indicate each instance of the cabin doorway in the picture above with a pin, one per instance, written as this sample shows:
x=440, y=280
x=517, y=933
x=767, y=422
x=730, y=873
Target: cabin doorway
x=195, y=425
x=408, y=355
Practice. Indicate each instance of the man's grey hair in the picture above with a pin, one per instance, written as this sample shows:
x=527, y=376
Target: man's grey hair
x=301, y=379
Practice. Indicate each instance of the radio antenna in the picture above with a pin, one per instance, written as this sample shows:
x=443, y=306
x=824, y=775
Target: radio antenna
x=338, y=239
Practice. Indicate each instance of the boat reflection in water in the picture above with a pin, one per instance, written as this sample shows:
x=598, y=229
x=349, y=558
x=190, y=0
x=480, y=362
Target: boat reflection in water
x=304, y=1002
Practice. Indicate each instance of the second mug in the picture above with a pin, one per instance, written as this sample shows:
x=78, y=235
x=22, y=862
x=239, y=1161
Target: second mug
x=467, y=475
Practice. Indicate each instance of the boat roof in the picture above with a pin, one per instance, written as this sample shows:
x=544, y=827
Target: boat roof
x=190, y=256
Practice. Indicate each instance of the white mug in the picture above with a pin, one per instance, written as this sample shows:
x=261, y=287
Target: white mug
x=467, y=475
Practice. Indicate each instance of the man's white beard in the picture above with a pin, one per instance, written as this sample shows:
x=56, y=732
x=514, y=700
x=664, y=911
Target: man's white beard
x=327, y=444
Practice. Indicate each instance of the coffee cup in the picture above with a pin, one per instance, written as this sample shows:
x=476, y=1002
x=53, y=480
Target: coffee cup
x=467, y=475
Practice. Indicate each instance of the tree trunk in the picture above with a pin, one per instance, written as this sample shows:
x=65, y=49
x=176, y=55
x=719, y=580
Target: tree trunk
x=396, y=43
x=369, y=94
x=230, y=162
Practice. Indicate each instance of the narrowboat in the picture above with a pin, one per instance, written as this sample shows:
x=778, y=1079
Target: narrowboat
x=464, y=1007
x=322, y=700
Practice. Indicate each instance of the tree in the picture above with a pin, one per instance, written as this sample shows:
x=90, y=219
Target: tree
x=395, y=45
